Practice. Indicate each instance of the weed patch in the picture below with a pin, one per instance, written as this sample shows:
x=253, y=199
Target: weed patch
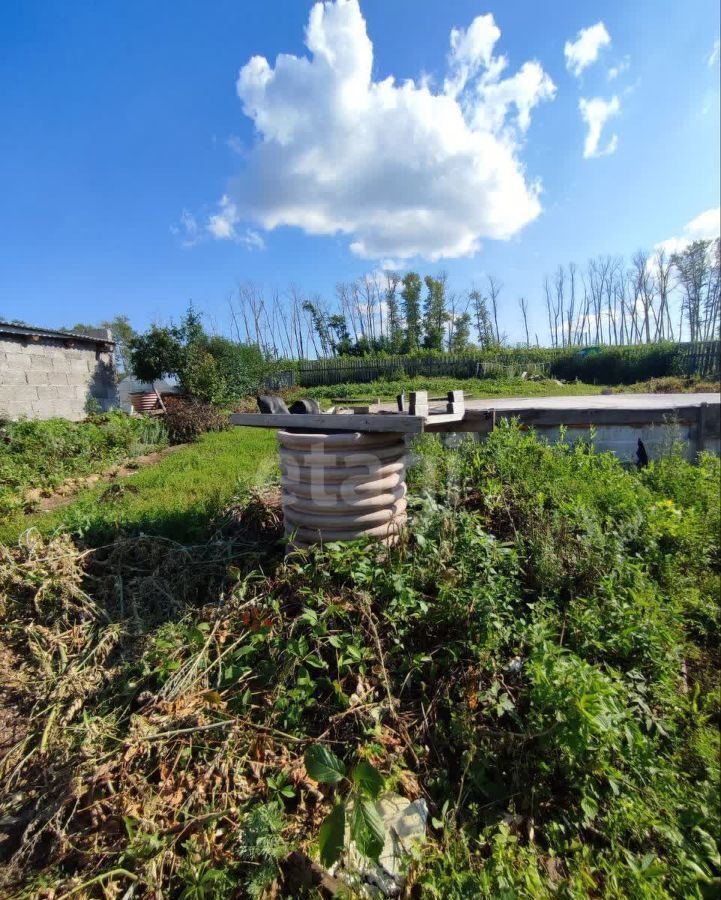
x=537, y=659
x=42, y=454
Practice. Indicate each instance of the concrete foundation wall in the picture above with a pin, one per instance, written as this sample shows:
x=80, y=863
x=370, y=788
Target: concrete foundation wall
x=622, y=439
x=43, y=378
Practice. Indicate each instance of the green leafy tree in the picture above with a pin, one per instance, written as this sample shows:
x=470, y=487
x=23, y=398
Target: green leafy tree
x=461, y=333
x=155, y=354
x=435, y=313
x=211, y=368
x=393, y=315
x=484, y=323
x=340, y=337
x=319, y=320
x=191, y=328
x=411, y=297
x=697, y=267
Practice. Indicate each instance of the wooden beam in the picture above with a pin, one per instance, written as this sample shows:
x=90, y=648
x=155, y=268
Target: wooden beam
x=401, y=424
x=481, y=423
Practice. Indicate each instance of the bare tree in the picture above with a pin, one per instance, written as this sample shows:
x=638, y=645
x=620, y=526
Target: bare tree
x=643, y=291
x=523, y=303
x=663, y=268
x=552, y=333
x=571, y=309
x=558, y=312
x=494, y=289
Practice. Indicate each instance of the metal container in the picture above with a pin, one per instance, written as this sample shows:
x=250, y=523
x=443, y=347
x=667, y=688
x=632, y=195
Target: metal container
x=143, y=401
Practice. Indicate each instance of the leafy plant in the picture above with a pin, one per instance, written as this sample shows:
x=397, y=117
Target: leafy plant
x=363, y=787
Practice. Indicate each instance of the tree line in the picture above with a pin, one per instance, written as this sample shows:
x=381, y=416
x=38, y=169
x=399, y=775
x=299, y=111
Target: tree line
x=653, y=297
x=656, y=298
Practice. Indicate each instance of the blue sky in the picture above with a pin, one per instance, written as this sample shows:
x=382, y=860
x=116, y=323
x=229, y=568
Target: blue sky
x=122, y=129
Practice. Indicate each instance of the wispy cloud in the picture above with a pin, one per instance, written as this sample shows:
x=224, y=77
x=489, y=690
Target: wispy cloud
x=584, y=50
x=221, y=225
x=187, y=230
x=713, y=56
x=619, y=69
x=595, y=113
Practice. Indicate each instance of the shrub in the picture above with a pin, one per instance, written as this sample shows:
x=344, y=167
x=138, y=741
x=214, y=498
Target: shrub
x=210, y=368
x=187, y=419
x=220, y=371
x=618, y=365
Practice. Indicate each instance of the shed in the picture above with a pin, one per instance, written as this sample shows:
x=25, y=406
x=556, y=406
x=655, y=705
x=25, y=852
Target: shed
x=46, y=373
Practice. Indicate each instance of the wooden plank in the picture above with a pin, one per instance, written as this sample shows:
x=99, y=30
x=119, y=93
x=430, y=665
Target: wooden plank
x=443, y=422
x=401, y=424
x=482, y=422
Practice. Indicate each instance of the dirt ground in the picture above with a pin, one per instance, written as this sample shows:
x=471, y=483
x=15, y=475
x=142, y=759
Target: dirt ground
x=44, y=502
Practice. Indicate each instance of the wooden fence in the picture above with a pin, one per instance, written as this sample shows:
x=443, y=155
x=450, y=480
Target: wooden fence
x=702, y=358
x=365, y=369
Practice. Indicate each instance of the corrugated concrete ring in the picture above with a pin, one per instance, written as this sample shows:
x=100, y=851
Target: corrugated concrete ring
x=352, y=475
x=297, y=501
x=387, y=531
x=343, y=440
x=347, y=490
x=339, y=487
x=316, y=457
x=343, y=520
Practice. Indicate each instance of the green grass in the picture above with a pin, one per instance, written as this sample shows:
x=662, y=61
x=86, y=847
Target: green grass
x=177, y=497
x=42, y=454
x=474, y=388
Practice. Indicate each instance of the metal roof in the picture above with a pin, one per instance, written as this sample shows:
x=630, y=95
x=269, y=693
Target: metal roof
x=101, y=336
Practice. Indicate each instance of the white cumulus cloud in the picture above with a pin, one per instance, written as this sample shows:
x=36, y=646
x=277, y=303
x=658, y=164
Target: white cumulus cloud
x=705, y=227
x=595, y=113
x=399, y=170
x=584, y=50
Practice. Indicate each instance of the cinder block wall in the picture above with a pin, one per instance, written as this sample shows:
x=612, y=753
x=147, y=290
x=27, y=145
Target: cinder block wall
x=44, y=378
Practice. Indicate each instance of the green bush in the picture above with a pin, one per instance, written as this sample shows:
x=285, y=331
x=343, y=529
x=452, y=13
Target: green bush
x=618, y=365
x=219, y=371
x=210, y=368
